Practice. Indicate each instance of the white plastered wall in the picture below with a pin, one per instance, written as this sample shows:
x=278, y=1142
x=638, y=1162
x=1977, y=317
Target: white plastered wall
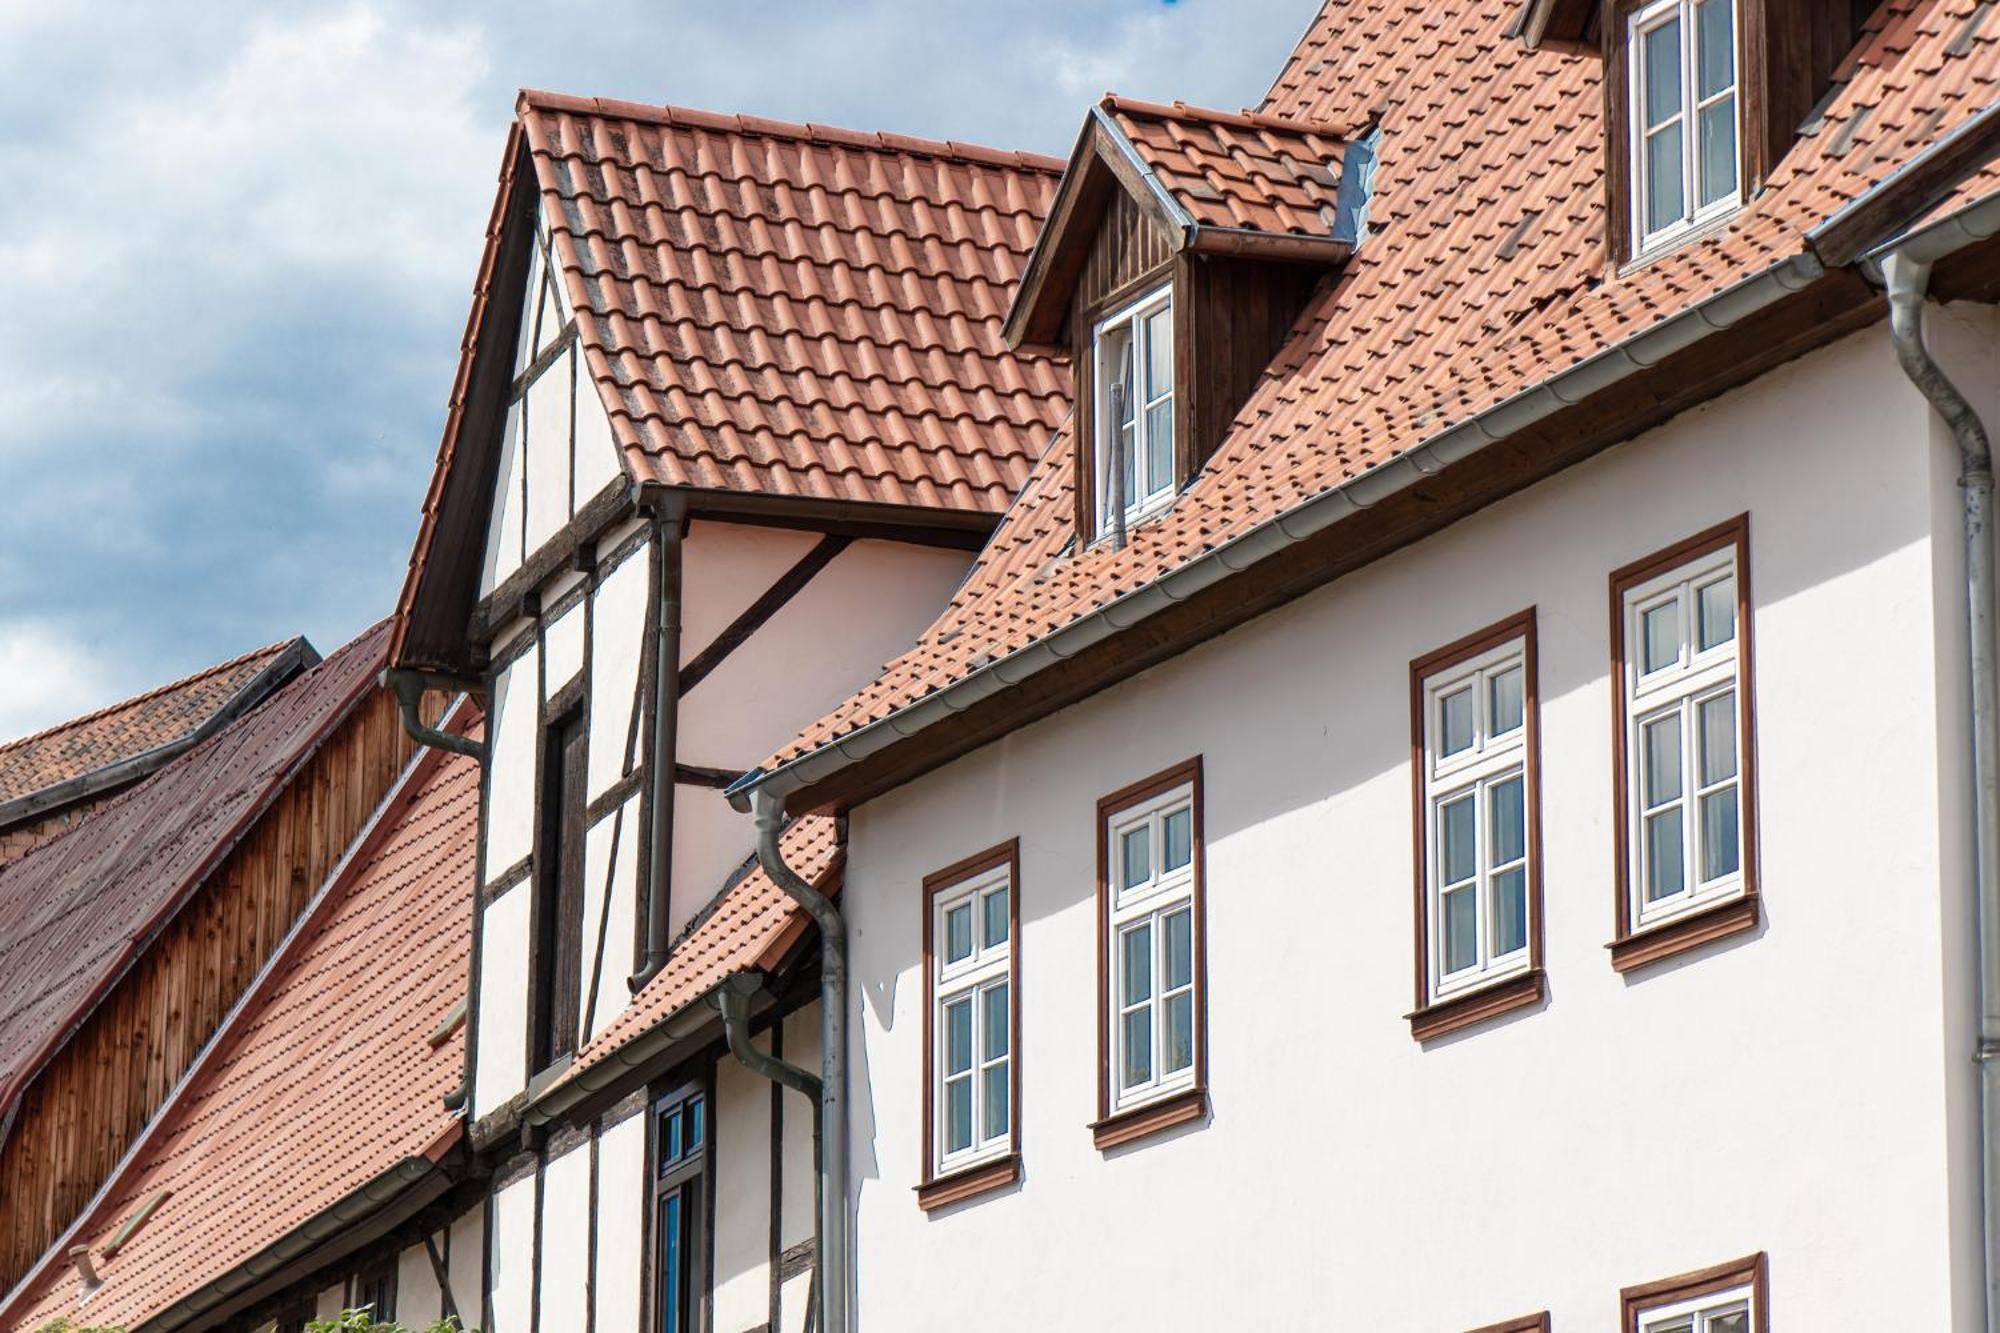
x=510, y=1257
x=621, y=1215
x=798, y=1215
x=740, y=1278
x=1791, y=1090
x=565, y=1274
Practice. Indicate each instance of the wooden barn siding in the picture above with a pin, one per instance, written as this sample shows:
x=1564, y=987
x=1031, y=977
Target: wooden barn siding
x=1236, y=316
x=87, y=1107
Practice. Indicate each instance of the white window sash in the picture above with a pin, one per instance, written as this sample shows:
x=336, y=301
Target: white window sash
x=1139, y=504
x=968, y=979
x=1151, y=902
x=1476, y=771
x=1701, y=1312
x=1694, y=214
x=1695, y=676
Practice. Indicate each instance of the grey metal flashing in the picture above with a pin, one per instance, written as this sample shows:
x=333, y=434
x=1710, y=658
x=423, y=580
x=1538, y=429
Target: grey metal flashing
x=1639, y=352
x=1978, y=123
x=1932, y=241
x=1357, y=187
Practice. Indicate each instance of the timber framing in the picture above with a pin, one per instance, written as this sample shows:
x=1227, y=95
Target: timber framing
x=755, y=616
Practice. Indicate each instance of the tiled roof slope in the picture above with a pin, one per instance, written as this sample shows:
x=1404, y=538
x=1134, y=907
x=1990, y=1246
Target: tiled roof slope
x=1237, y=170
x=796, y=310
x=76, y=912
x=751, y=925
x=137, y=726
x=1483, y=275
x=322, y=1080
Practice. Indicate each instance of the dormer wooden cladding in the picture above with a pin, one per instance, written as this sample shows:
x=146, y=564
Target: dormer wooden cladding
x=1117, y=233
x=1790, y=53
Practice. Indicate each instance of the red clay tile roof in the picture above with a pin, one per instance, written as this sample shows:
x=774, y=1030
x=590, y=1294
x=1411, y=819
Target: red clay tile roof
x=147, y=724
x=75, y=913
x=751, y=925
x=1483, y=275
x=1238, y=170
x=322, y=1079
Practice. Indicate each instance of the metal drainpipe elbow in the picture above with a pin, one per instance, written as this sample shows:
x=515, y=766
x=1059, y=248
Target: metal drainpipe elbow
x=834, y=1275
x=408, y=686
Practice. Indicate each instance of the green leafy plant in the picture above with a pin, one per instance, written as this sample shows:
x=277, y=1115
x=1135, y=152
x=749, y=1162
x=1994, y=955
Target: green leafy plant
x=360, y=1321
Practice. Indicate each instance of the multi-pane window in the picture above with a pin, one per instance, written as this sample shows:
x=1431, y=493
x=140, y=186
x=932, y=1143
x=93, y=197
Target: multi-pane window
x=375, y=1292
x=1686, y=734
x=1729, y=1311
x=972, y=1017
x=1686, y=124
x=1153, y=919
x=1134, y=374
x=680, y=1216
x=1477, y=817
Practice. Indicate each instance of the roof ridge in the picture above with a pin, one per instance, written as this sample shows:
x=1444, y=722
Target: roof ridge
x=1246, y=119
x=881, y=141
x=268, y=650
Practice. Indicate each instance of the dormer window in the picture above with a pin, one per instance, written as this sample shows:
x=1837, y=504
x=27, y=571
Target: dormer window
x=1134, y=374
x=1685, y=128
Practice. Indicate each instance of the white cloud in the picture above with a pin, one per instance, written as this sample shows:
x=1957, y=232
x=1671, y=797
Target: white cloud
x=47, y=676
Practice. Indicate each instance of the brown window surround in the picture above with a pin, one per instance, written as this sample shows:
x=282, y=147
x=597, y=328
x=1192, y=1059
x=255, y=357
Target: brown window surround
x=1632, y=949
x=1111, y=1130
x=1636, y=1302
x=1519, y=990
x=937, y=1191
x=1534, y=1323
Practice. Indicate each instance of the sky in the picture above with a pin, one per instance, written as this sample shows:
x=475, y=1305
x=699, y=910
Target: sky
x=238, y=240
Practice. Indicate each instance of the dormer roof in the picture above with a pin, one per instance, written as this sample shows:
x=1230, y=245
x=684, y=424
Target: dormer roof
x=1216, y=182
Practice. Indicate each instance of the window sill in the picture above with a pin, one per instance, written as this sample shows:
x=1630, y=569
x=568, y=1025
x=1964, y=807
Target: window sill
x=1682, y=933
x=965, y=1182
x=1643, y=258
x=1138, y=1122
x=1476, y=1006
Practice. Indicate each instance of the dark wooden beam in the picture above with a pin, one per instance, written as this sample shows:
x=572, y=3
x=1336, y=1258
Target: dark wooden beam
x=516, y=593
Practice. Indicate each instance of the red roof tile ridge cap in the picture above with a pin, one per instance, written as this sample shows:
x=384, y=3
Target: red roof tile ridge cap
x=1252, y=120
x=268, y=650
x=400, y=796
x=880, y=141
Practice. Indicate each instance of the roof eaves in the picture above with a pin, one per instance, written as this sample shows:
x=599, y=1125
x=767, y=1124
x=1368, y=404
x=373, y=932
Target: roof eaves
x=1506, y=418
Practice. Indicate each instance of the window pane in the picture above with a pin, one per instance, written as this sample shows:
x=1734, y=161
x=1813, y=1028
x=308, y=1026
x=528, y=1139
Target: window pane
x=1662, y=72
x=1718, y=150
x=1137, y=965
x=1717, y=720
x=958, y=1036
x=1180, y=948
x=1717, y=613
x=1715, y=47
x=670, y=1263
x=1661, y=739
x=993, y=1117
x=694, y=1124
x=1179, y=1052
x=1455, y=722
x=996, y=917
x=958, y=933
x=997, y=1031
x=1666, y=196
x=1159, y=353
x=1663, y=855
x=958, y=1115
x=1660, y=632
x=1737, y=1321
x=670, y=1137
x=1509, y=815
x=1160, y=447
x=1504, y=702
x=1682, y=1325
x=1138, y=1041
x=1179, y=832
x=1510, y=911
x=1136, y=855
x=1456, y=854
x=1461, y=929
x=1719, y=854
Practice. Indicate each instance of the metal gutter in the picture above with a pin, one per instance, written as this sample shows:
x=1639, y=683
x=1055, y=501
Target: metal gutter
x=691, y=1021
x=1638, y=353
x=1829, y=229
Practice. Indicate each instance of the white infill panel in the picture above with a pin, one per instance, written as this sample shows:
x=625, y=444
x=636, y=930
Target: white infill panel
x=466, y=1262
x=562, y=642
x=511, y=1258
x=503, y=535
x=500, y=1032
x=742, y=1148
x=547, y=405
x=621, y=1211
x=566, y=1239
x=618, y=633
x=597, y=464
x=510, y=797
x=419, y=1303
x=611, y=922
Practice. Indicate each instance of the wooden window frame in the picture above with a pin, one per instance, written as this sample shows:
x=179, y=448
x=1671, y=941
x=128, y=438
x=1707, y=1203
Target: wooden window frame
x=1132, y=315
x=979, y=1172
x=1751, y=1274
x=1175, y=279
x=1517, y=985
x=1532, y=1323
x=558, y=871
x=1633, y=946
x=384, y=1271
x=699, y=1223
x=1179, y=1105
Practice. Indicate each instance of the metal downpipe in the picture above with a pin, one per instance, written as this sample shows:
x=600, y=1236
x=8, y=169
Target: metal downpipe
x=408, y=687
x=663, y=747
x=1907, y=280
x=834, y=1265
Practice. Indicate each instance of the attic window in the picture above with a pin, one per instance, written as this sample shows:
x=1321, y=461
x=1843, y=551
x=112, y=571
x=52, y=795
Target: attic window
x=1134, y=468
x=1685, y=126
